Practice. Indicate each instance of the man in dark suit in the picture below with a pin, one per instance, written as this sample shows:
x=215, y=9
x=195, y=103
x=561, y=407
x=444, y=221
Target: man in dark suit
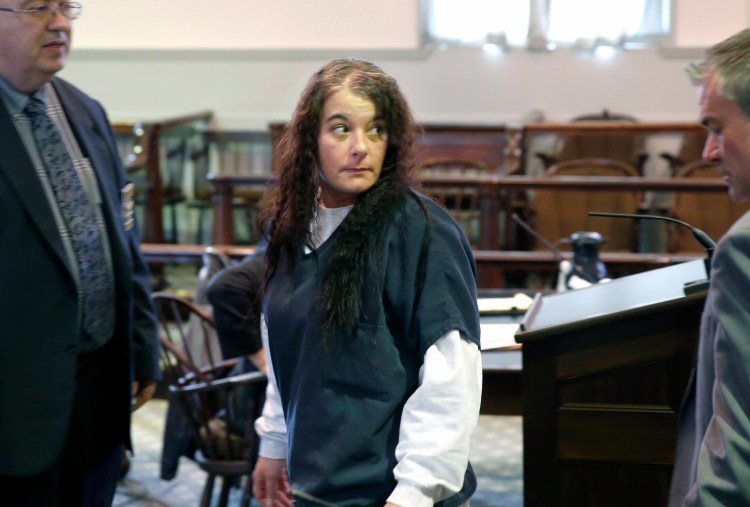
x=78, y=345
x=713, y=451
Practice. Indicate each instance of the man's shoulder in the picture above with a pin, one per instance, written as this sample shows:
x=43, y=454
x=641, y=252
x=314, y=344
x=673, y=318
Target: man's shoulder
x=71, y=94
x=744, y=220
x=61, y=85
x=741, y=227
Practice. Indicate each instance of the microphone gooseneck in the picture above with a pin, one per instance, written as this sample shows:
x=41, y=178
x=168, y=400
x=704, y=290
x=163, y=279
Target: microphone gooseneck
x=708, y=244
x=527, y=228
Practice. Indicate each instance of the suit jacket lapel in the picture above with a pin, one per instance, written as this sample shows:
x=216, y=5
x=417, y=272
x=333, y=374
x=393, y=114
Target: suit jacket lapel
x=17, y=169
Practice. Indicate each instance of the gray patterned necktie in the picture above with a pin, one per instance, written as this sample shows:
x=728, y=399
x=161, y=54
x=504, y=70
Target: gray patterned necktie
x=80, y=218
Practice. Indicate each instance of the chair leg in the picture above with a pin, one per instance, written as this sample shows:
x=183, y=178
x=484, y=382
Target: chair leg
x=208, y=491
x=226, y=486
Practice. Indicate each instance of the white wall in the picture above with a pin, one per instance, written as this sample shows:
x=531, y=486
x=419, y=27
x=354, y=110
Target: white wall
x=248, y=86
x=249, y=24
x=700, y=23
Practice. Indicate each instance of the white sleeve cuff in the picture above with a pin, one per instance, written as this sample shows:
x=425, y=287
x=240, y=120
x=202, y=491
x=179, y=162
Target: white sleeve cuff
x=410, y=496
x=273, y=449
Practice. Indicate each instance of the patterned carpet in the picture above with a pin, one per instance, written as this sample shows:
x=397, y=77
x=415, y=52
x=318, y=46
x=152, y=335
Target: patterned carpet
x=496, y=457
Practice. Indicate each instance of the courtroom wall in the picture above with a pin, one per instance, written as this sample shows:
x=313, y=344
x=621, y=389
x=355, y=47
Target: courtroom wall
x=249, y=60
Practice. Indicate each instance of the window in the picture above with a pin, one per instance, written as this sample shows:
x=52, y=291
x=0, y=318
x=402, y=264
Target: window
x=474, y=21
x=545, y=24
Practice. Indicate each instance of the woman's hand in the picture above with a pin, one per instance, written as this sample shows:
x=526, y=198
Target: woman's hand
x=142, y=392
x=271, y=483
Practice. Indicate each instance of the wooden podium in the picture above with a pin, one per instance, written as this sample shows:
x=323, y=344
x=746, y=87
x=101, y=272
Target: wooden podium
x=604, y=372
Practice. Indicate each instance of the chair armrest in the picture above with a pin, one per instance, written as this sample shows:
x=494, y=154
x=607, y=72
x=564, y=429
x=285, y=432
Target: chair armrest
x=221, y=366
x=254, y=377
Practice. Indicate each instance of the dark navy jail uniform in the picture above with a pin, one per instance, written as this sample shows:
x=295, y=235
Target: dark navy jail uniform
x=343, y=403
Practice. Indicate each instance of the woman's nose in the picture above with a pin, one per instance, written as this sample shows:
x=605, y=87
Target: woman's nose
x=359, y=144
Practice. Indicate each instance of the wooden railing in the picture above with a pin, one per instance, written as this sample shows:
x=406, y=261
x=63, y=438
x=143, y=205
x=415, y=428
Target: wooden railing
x=603, y=127
x=496, y=196
x=628, y=142
x=162, y=253
x=492, y=265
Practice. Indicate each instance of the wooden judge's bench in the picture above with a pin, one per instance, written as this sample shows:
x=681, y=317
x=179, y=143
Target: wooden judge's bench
x=604, y=372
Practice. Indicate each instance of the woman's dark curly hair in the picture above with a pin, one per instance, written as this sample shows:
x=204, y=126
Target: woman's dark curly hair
x=293, y=199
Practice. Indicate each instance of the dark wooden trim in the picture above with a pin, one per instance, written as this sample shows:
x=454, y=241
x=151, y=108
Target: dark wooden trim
x=161, y=253
x=600, y=127
x=496, y=194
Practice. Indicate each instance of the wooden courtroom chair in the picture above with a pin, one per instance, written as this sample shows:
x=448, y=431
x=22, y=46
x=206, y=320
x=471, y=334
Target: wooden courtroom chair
x=559, y=213
x=214, y=402
x=691, y=151
x=628, y=147
x=711, y=212
x=461, y=201
x=488, y=143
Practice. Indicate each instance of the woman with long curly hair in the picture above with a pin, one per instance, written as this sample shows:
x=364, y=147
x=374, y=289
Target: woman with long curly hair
x=369, y=311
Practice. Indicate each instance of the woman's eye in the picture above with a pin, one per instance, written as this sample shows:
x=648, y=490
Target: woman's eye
x=376, y=131
x=339, y=129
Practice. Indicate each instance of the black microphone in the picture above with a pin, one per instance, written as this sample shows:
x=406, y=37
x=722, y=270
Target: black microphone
x=704, y=239
x=578, y=269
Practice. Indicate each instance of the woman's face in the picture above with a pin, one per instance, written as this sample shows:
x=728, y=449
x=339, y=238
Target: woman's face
x=351, y=148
